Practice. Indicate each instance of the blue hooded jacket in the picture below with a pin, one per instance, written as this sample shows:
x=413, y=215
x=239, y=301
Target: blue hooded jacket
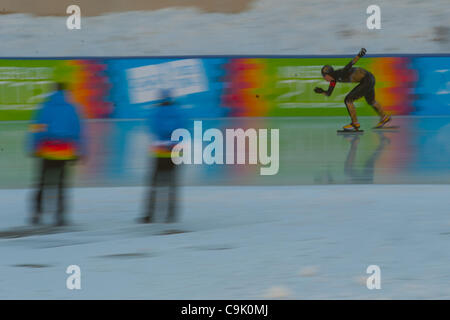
x=57, y=120
x=163, y=120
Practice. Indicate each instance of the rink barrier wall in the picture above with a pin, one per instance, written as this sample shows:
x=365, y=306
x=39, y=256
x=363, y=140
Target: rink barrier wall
x=219, y=86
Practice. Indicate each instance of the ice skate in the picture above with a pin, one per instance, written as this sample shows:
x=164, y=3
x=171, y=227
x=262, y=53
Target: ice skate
x=352, y=127
x=383, y=122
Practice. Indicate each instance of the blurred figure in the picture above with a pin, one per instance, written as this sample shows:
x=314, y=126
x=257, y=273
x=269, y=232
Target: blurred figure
x=56, y=139
x=163, y=121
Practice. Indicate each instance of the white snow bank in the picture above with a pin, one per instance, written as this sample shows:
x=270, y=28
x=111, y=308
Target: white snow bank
x=270, y=27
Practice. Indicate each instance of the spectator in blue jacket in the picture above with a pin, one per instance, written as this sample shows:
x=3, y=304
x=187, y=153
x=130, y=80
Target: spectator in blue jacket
x=55, y=138
x=164, y=119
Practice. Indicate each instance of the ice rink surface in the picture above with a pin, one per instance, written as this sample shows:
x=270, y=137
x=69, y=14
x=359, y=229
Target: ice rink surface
x=415, y=151
x=338, y=205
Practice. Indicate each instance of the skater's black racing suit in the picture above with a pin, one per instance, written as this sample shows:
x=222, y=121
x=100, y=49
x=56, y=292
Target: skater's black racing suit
x=365, y=88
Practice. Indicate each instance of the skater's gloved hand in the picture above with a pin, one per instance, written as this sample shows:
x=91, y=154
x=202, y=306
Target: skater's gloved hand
x=362, y=53
x=318, y=90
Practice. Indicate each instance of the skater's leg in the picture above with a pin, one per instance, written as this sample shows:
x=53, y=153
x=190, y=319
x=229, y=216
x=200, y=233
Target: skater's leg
x=37, y=203
x=355, y=94
x=151, y=204
x=369, y=95
x=173, y=189
x=384, y=117
x=151, y=201
x=61, y=173
x=378, y=109
x=351, y=109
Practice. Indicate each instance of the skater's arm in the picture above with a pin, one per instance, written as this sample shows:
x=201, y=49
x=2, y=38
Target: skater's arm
x=37, y=129
x=355, y=59
x=328, y=92
x=330, y=88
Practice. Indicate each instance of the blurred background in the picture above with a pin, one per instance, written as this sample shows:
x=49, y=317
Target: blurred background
x=182, y=27
x=337, y=204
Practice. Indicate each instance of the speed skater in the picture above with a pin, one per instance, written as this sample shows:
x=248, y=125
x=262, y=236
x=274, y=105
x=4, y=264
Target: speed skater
x=365, y=88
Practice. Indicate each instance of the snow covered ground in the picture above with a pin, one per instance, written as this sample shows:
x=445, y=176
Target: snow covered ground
x=293, y=242
x=269, y=27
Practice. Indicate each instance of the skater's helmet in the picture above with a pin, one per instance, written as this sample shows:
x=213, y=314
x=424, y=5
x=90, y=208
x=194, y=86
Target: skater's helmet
x=327, y=69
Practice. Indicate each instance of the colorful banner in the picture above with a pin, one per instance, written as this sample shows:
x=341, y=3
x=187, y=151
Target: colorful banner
x=250, y=87
x=197, y=84
x=284, y=87
x=211, y=87
x=25, y=84
x=432, y=89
